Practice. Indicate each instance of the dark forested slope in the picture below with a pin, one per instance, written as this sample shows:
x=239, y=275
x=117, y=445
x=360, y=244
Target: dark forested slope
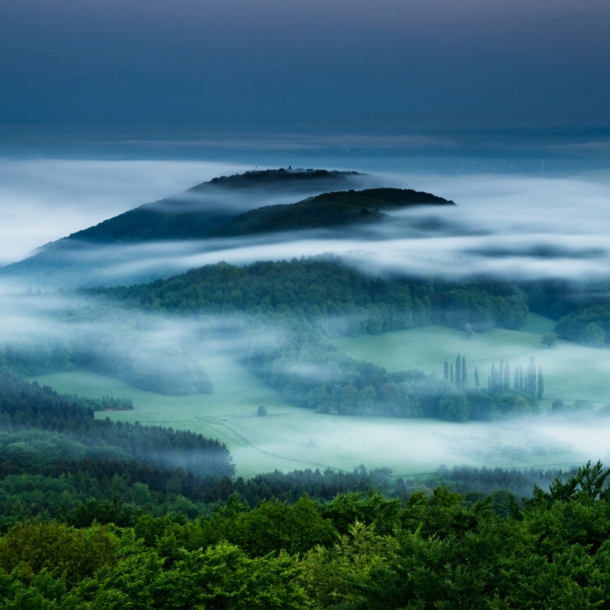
x=323, y=286
x=254, y=203
x=356, y=552
x=326, y=211
x=205, y=206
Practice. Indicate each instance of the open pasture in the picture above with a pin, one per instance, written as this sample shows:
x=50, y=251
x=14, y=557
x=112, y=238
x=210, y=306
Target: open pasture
x=571, y=372
x=291, y=438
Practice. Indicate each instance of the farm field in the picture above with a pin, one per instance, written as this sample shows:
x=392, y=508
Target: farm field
x=571, y=372
x=292, y=438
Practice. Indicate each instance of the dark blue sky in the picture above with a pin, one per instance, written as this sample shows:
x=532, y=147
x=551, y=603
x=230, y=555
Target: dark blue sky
x=307, y=65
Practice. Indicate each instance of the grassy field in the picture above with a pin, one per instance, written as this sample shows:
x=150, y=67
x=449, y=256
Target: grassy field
x=291, y=438
x=571, y=372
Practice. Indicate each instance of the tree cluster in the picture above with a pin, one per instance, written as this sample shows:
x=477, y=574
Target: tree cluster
x=331, y=295
x=355, y=552
x=26, y=405
x=526, y=381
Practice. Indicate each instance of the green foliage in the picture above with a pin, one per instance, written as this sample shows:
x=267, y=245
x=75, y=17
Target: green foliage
x=270, y=527
x=332, y=577
x=331, y=296
x=367, y=508
x=34, y=546
x=220, y=577
x=593, y=335
x=27, y=405
x=453, y=406
x=588, y=326
x=438, y=549
x=549, y=339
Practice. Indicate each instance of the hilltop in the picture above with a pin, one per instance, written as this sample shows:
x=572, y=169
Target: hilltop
x=205, y=206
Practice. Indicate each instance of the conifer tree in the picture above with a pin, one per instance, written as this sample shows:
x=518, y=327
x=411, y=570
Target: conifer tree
x=521, y=379
x=446, y=370
x=458, y=370
x=476, y=376
x=506, y=383
x=530, y=383
x=516, y=384
x=540, y=389
x=451, y=372
x=464, y=373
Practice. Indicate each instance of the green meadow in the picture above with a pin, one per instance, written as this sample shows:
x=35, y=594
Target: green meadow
x=571, y=372
x=291, y=438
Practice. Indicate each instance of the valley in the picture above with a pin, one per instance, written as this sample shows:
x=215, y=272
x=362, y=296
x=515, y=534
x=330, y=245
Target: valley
x=290, y=438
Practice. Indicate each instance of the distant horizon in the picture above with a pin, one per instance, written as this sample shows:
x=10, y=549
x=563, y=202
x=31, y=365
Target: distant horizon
x=307, y=65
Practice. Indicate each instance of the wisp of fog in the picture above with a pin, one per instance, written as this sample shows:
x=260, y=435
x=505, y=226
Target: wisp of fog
x=511, y=226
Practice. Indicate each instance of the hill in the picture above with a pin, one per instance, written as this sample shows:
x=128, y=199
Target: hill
x=224, y=207
x=326, y=211
x=203, y=207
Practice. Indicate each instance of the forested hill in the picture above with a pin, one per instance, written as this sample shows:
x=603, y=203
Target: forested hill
x=326, y=211
x=283, y=178
x=182, y=220
x=212, y=211
x=207, y=205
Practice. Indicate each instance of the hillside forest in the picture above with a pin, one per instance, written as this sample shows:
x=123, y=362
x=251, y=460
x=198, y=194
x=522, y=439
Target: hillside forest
x=97, y=513
x=101, y=514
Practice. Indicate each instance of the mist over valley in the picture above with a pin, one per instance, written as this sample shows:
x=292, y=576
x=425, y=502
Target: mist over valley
x=378, y=288
x=304, y=305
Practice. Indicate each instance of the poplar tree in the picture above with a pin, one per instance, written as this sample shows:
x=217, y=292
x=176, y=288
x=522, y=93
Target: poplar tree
x=476, y=376
x=530, y=383
x=451, y=371
x=506, y=383
x=540, y=389
x=521, y=379
x=446, y=370
x=464, y=373
x=458, y=370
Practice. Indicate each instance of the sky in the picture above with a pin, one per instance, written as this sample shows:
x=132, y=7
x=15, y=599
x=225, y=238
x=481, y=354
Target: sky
x=306, y=66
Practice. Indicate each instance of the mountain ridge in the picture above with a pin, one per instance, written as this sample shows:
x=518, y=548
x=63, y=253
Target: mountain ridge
x=186, y=215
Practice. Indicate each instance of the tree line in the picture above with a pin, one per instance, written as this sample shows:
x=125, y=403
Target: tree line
x=92, y=515
x=357, y=551
x=27, y=405
x=335, y=297
x=581, y=309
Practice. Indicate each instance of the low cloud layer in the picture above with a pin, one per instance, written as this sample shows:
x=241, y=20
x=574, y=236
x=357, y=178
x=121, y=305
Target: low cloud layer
x=45, y=199
x=513, y=226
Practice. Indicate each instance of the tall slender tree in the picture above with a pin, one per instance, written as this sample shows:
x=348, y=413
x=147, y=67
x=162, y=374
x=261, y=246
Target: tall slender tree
x=521, y=379
x=464, y=372
x=458, y=370
x=530, y=382
x=540, y=388
x=451, y=371
x=476, y=376
x=446, y=370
